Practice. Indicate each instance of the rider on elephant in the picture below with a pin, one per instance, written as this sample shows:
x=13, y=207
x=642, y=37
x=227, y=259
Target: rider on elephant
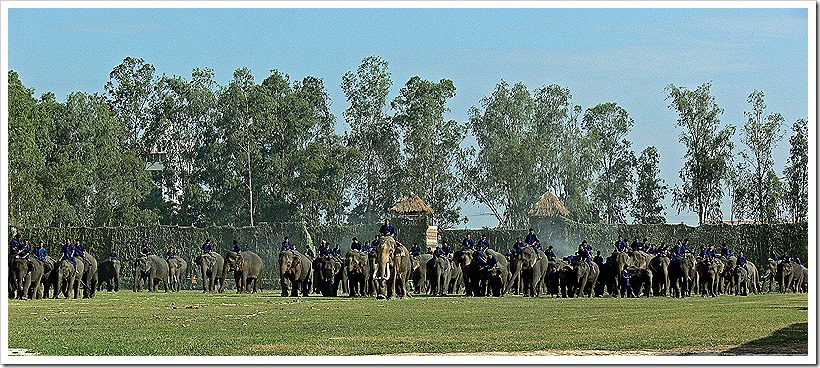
x=537, y=246
x=726, y=252
x=42, y=253
x=584, y=250
x=685, y=246
x=636, y=244
x=79, y=249
x=324, y=250
x=484, y=244
x=24, y=250
x=599, y=260
x=709, y=253
x=146, y=252
x=68, y=252
x=531, y=238
x=509, y=255
x=309, y=252
x=786, y=257
x=676, y=252
x=438, y=252
x=207, y=248
x=236, y=247
x=171, y=253
x=113, y=255
x=518, y=245
x=741, y=261
x=286, y=245
x=337, y=251
x=550, y=254
x=467, y=243
x=14, y=245
x=356, y=244
x=447, y=251
x=620, y=244
x=415, y=251
x=387, y=229
x=773, y=255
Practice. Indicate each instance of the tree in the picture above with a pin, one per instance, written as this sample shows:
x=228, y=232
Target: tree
x=650, y=189
x=578, y=164
x=26, y=160
x=180, y=110
x=796, y=192
x=761, y=134
x=502, y=174
x=431, y=146
x=608, y=124
x=375, y=136
x=708, y=151
x=131, y=89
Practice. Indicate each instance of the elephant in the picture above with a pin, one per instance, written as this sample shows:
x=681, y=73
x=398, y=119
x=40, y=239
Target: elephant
x=211, y=270
x=294, y=273
x=694, y=278
x=247, y=269
x=659, y=265
x=153, y=269
x=708, y=273
x=438, y=272
x=791, y=275
x=454, y=285
x=28, y=276
x=639, y=259
x=533, y=266
x=464, y=259
x=585, y=277
x=69, y=277
x=770, y=275
x=109, y=274
x=357, y=267
x=741, y=276
x=419, y=274
x=331, y=273
x=679, y=276
x=392, y=268
x=500, y=276
x=177, y=271
x=641, y=281
x=49, y=276
x=615, y=263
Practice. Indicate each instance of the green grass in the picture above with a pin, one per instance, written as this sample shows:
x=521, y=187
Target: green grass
x=192, y=323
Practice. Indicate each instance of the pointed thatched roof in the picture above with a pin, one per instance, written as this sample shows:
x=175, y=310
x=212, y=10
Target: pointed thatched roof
x=411, y=204
x=548, y=206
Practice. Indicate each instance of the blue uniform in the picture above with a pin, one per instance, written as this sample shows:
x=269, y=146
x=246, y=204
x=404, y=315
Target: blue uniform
x=530, y=239
x=68, y=253
x=467, y=243
x=237, y=248
x=324, y=250
x=42, y=253
x=786, y=258
x=550, y=255
x=483, y=244
x=741, y=261
x=79, y=250
x=684, y=248
x=355, y=245
x=415, y=251
x=206, y=248
x=773, y=256
x=113, y=255
x=726, y=252
x=286, y=245
x=387, y=230
x=439, y=253
x=708, y=253
x=621, y=246
x=636, y=245
x=518, y=246
x=446, y=249
x=171, y=253
x=337, y=251
x=24, y=251
x=626, y=286
x=676, y=252
x=599, y=260
x=309, y=252
x=14, y=246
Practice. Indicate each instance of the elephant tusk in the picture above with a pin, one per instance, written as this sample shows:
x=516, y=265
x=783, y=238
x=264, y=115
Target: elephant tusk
x=388, y=271
x=374, y=272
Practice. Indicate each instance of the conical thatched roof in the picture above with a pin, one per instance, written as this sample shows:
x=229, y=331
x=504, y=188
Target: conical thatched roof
x=548, y=206
x=411, y=204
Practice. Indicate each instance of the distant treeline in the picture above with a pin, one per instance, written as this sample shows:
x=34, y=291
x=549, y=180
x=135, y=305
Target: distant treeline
x=189, y=151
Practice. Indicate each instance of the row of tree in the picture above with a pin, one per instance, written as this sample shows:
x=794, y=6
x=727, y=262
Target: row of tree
x=247, y=152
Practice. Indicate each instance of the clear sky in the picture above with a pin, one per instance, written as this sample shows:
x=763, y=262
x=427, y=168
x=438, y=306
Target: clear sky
x=626, y=56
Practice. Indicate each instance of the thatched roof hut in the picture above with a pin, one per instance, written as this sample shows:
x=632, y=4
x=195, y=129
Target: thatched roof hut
x=548, y=206
x=411, y=204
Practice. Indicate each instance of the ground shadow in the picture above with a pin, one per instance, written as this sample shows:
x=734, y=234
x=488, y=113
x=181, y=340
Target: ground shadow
x=791, y=340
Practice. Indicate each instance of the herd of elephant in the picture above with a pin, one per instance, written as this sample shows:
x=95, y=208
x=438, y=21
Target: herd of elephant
x=388, y=271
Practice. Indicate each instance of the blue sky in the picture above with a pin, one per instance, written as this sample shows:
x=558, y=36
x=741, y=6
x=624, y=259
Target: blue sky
x=623, y=55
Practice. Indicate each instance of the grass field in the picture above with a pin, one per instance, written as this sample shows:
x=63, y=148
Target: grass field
x=192, y=323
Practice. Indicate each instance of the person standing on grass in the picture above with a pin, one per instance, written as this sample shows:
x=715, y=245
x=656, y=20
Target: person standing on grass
x=626, y=286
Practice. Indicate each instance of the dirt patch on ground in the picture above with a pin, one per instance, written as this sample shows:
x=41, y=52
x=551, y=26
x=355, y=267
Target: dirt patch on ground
x=795, y=348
